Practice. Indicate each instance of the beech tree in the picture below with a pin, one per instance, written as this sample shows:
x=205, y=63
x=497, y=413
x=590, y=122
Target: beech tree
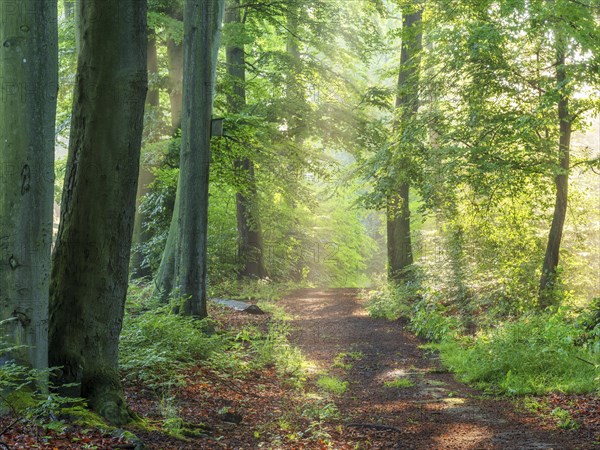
x=400, y=253
x=250, y=241
x=201, y=39
x=29, y=84
x=91, y=257
x=183, y=267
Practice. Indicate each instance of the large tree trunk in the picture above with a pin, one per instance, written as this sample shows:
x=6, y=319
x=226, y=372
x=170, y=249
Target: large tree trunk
x=29, y=78
x=202, y=33
x=250, y=242
x=91, y=257
x=562, y=183
x=399, y=246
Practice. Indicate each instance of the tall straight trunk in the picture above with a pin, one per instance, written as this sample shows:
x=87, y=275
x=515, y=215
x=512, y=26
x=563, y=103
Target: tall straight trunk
x=29, y=77
x=175, y=58
x=140, y=235
x=250, y=242
x=400, y=254
x=399, y=243
x=91, y=256
x=202, y=35
x=561, y=181
x=165, y=277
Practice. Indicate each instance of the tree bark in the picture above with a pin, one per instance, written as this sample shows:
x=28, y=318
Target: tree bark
x=398, y=233
x=91, y=257
x=400, y=254
x=202, y=35
x=561, y=181
x=29, y=77
x=250, y=241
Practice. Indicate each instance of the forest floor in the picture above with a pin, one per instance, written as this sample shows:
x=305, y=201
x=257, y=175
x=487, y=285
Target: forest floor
x=369, y=385
x=432, y=410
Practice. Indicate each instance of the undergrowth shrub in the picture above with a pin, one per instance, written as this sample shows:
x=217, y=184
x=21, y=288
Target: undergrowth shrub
x=392, y=300
x=535, y=353
x=246, y=289
x=532, y=355
x=27, y=396
x=155, y=345
x=429, y=319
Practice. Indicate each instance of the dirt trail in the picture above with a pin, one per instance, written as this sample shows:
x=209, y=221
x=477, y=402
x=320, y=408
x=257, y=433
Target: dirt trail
x=436, y=413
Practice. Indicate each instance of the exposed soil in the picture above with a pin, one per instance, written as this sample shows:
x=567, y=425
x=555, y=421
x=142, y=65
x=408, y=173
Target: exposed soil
x=436, y=413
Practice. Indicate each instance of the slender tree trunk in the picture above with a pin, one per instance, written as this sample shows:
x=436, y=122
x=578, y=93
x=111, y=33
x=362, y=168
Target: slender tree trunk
x=398, y=233
x=165, y=277
x=561, y=180
x=202, y=33
x=175, y=57
x=250, y=242
x=91, y=257
x=400, y=253
x=29, y=79
x=140, y=235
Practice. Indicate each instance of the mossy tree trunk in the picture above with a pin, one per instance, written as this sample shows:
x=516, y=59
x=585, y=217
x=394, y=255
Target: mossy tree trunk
x=400, y=252
x=91, y=257
x=29, y=79
x=250, y=241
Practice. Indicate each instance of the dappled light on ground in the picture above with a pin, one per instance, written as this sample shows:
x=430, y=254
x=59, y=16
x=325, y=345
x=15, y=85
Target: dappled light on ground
x=398, y=396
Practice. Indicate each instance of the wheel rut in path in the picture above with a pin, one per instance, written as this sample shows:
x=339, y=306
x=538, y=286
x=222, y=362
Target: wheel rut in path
x=436, y=412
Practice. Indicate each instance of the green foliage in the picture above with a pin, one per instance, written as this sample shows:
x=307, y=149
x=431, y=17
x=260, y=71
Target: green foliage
x=564, y=419
x=332, y=384
x=60, y=170
x=346, y=360
x=25, y=394
x=399, y=383
x=393, y=301
x=431, y=321
x=266, y=290
x=155, y=345
x=532, y=355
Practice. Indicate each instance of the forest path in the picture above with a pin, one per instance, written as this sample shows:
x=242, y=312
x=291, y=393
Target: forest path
x=436, y=413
